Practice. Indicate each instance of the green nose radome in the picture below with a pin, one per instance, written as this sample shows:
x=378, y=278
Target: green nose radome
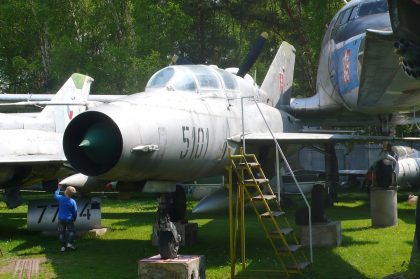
x=99, y=143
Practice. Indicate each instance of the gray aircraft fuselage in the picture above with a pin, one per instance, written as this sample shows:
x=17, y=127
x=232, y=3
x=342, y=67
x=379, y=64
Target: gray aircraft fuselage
x=170, y=134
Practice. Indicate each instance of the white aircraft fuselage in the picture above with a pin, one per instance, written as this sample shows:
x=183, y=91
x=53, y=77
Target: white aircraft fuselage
x=170, y=134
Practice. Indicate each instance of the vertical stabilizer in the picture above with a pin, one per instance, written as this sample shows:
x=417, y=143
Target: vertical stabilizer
x=276, y=89
x=75, y=90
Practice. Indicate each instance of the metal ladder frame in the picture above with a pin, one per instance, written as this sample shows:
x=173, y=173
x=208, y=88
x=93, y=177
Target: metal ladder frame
x=247, y=165
x=240, y=196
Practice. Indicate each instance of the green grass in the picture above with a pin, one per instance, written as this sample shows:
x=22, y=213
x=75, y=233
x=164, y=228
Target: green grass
x=365, y=252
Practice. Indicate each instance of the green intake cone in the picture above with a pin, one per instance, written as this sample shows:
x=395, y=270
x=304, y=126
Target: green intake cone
x=100, y=143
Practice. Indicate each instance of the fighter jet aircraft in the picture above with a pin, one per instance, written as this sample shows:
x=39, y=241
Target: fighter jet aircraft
x=31, y=147
x=369, y=67
x=183, y=127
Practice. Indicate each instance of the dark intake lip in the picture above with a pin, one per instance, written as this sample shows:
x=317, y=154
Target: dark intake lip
x=92, y=143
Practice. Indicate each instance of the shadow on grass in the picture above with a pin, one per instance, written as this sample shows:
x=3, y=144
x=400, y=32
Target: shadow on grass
x=109, y=257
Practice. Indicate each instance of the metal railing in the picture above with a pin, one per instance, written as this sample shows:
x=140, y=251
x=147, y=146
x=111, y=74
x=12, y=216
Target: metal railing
x=279, y=150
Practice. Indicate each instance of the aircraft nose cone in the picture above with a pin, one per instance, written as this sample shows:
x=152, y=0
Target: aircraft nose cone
x=99, y=143
x=84, y=143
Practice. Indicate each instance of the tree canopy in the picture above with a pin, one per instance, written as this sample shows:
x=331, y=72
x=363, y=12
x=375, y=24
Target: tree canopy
x=121, y=43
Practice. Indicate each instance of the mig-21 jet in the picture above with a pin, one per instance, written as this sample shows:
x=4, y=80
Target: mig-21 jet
x=184, y=125
x=31, y=147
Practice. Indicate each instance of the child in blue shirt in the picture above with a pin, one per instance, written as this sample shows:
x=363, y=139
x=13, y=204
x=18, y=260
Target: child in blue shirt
x=67, y=214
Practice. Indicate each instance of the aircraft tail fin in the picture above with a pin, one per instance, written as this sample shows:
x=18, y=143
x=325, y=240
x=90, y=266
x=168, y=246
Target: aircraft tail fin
x=75, y=90
x=277, y=85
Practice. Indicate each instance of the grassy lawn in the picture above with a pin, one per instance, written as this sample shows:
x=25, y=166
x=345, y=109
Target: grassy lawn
x=365, y=252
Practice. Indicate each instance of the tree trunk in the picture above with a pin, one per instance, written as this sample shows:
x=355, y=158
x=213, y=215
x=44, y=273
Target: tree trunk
x=44, y=46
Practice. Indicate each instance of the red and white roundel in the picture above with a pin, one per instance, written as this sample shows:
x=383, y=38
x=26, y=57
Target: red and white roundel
x=345, y=66
x=281, y=78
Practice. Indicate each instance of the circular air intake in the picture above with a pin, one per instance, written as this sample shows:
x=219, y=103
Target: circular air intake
x=92, y=143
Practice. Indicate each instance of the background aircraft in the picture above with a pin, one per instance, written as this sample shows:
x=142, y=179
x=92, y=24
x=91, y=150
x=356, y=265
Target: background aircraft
x=31, y=147
x=369, y=69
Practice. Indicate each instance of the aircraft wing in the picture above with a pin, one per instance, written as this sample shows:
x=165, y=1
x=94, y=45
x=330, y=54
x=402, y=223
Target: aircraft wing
x=32, y=159
x=382, y=81
x=7, y=97
x=312, y=138
x=33, y=102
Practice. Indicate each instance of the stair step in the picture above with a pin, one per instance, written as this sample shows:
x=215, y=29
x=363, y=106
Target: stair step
x=236, y=157
x=251, y=165
x=284, y=231
x=291, y=247
x=249, y=155
x=274, y=213
x=264, y=197
x=251, y=182
x=298, y=266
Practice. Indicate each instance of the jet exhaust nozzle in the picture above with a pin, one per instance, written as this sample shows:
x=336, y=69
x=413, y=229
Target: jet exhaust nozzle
x=92, y=143
x=409, y=57
x=404, y=17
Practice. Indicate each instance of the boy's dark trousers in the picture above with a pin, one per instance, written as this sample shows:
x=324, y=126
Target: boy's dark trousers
x=64, y=226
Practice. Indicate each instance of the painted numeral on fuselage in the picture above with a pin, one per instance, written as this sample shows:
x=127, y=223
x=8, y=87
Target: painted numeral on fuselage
x=44, y=208
x=87, y=214
x=84, y=213
x=199, y=139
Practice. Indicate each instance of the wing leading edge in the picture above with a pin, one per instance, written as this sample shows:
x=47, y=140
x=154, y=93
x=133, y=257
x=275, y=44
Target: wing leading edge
x=312, y=138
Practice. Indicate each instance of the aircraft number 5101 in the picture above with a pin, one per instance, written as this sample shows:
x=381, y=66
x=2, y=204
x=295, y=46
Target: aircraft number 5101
x=196, y=142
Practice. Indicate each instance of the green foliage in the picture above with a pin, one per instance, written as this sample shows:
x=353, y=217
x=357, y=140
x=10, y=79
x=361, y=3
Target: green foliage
x=408, y=130
x=120, y=43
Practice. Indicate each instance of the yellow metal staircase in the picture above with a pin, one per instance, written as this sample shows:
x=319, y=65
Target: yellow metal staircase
x=254, y=187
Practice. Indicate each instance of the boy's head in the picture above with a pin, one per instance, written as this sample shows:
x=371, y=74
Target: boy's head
x=70, y=191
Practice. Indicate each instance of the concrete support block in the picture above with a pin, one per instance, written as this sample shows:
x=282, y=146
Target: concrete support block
x=188, y=232
x=323, y=234
x=183, y=267
x=383, y=207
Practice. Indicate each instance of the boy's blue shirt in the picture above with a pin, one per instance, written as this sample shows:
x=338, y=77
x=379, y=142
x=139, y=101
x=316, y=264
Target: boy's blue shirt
x=67, y=208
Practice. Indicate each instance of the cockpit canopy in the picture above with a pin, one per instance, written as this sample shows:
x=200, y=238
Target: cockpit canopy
x=358, y=16
x=192, y=78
